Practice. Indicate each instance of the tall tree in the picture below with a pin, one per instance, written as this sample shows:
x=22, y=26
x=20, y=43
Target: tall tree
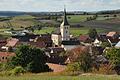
x=113, y=55
x=30, y=58
x=80, y=59
x=92, y=33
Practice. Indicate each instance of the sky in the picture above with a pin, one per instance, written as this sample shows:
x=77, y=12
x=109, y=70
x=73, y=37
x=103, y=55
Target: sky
x=58, y=5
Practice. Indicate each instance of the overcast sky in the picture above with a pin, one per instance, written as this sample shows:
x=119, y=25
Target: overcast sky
x=57, y=5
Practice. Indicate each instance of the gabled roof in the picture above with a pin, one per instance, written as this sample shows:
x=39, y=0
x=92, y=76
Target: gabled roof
x=12, y=42
x=40, y=44
x=84, y=37
x=111, y=34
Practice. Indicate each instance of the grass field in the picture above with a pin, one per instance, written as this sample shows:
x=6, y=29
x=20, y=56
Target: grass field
x=81, y=77
x=18, y=21
x=73, y=31
x=78, y=18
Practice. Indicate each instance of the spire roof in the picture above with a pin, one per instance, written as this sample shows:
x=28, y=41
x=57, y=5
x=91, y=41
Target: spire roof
x=65, y=21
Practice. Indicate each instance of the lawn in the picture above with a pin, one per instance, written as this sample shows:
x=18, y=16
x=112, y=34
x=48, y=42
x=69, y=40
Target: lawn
x=81, y=77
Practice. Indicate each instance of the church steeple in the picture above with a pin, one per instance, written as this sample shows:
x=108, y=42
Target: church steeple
x=64, y=28
x=65, y=21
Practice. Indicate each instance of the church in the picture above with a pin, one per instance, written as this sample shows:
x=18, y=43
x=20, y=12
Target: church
x=62, y=33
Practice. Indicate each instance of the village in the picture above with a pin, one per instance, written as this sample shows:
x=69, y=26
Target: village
x=60, y=42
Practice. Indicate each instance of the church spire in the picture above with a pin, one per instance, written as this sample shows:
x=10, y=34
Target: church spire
x=65, y=21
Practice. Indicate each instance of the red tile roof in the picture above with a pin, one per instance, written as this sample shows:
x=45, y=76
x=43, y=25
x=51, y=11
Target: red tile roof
x=56, y=67
x=84, y=38
x=40, y=44
x=12, y=42
x=111, y=34
x=5, y=54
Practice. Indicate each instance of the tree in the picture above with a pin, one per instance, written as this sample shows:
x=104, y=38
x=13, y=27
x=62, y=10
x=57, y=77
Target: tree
x=30, y=58
x=80, y=57
x=85, y=61
x=113, y=55
x=92, y=33
x=105, y=44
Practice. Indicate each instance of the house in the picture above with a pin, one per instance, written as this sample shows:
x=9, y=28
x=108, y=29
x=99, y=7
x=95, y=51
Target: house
x=39, y=44
x=97, y=42
x=84, y=38
x=74, y=53
x=55, y=50
x=42, y=41
x=12, y=42
x=117, y=45
x=53, y=54
x=56, y=38
x=46, y=38
x=113, y=38
x=6, y=56
x=25, y=38
x=112, y=35
x=113, y=42
x=3, y=42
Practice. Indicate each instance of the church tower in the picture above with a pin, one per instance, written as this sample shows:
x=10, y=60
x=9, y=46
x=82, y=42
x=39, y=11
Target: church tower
x=64, y=28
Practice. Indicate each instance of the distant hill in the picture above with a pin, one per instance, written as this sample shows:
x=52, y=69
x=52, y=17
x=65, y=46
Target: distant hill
x=17, y=13
x=11, y=13
x=109, y=12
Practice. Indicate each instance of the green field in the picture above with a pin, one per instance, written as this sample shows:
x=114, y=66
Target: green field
x=78, y=18
x=39, y=77
x=73, y=31
x=18, y=21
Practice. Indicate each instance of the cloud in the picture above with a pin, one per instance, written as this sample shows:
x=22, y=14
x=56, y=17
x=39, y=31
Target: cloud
x=57, y=5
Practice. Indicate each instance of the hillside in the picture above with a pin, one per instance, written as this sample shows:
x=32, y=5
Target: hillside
x=79, y=25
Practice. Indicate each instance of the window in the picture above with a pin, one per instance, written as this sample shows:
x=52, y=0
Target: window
x=66, y=31
x=2, y=57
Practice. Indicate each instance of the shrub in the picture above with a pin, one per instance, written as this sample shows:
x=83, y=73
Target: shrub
x=6, y=66
x=73, y=67
x=18, y=70
x=105, y=69
x=37, y=67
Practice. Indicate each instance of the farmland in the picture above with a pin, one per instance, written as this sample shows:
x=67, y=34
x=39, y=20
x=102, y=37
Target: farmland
x=102, y=24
